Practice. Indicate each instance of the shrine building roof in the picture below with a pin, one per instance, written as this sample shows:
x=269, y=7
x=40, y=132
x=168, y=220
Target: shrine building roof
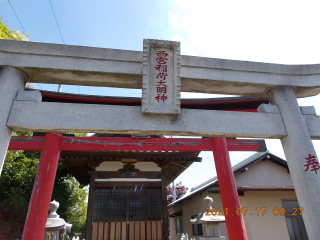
x=245, y=104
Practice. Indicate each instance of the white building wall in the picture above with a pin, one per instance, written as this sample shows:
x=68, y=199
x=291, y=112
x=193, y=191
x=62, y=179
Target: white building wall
x=264, y=173
x=266, y=227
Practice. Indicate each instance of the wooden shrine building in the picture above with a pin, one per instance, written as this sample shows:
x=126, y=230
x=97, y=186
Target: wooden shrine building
x=127, y=195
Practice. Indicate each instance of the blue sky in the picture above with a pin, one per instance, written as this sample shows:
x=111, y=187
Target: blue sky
x=285, y=32
x=108, y=24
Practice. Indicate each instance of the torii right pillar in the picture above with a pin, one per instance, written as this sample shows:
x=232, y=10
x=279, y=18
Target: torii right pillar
x=301, y=156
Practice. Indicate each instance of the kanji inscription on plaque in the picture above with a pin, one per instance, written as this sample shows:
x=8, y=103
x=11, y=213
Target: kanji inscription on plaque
x=161, y=77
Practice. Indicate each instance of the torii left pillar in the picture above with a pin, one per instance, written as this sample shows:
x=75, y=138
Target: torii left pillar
x=12, y=80
x=42, y=189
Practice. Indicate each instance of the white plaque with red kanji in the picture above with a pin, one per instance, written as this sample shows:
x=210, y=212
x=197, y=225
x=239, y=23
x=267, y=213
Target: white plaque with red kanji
x=161, y=77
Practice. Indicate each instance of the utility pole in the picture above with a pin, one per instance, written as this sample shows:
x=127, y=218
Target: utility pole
x=173, y=192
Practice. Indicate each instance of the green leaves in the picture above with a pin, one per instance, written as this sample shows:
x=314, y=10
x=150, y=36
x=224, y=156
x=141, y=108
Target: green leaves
x=72, y=199
x=74, y=207
x=16, y=183
x=18, y=175
x=7, y=33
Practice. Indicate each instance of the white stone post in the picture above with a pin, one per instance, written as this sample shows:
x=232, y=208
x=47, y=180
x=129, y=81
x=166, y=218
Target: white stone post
x=12, y=80
x=298, y=148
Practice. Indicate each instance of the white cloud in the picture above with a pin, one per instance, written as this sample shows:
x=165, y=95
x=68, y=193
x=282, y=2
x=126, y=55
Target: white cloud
x=186, y=47
x=174, y=20
x=311, y=101
x=267, y=31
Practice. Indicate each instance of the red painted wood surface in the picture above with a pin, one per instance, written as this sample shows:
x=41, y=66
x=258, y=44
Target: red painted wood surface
x=26, y=143
x=228, y=189
x=42, y=189
x=135, y=144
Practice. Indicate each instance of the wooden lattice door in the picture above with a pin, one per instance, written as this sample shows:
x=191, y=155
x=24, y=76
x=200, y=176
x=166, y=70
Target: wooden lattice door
x=127, y=214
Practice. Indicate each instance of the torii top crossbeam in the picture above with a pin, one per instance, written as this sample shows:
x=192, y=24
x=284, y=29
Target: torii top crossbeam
x=77, y=65
x=62, y=64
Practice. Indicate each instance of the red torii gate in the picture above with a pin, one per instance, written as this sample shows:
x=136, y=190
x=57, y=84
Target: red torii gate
x=52, y=143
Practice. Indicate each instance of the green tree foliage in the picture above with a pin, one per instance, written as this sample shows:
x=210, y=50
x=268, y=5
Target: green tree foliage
x=72, y=199
x=7, y=33
x=16, y=183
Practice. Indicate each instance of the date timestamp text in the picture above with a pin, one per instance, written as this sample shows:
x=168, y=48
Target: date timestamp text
x=258, y=211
